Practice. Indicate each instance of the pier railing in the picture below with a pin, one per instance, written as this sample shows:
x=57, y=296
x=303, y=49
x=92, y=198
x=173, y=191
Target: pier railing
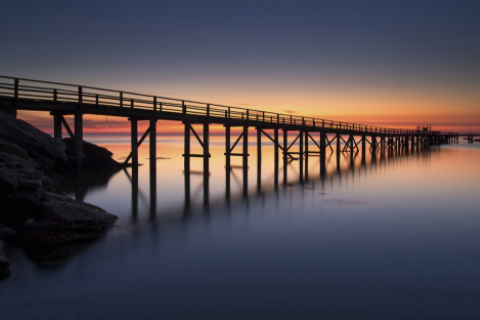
x=37, y=90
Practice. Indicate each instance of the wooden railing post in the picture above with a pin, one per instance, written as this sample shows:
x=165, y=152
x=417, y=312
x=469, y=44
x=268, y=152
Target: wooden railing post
x=121, y=99
x=80, y=95
x=131, y=103
x=208, y=110
x=55, y=95
x=154, y=103
x=16, y=88
x=184, y=108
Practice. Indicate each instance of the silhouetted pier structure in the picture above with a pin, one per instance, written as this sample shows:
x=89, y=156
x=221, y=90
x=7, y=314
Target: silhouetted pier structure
x=471, y=137
x=312, y=135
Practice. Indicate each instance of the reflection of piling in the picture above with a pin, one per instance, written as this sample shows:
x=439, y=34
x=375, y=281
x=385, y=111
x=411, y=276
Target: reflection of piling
x=134, y=193
x=323, y=155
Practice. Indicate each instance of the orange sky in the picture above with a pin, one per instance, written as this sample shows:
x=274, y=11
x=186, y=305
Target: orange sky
x=444, y=111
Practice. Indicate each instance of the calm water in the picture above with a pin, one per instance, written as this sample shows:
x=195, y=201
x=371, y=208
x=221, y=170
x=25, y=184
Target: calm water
x=395, y=238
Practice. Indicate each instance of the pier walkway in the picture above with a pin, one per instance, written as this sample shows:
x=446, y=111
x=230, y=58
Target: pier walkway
x=313, y=135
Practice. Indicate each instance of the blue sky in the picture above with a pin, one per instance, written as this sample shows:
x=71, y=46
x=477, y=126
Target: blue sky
x=252, y=52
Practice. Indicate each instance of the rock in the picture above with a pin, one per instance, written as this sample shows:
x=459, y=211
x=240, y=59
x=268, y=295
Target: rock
x=7, y=234
x=4, y=263
x=95, y=157
x=47, y=223
x=61, y=220
x=16, y=172
x=18, y=138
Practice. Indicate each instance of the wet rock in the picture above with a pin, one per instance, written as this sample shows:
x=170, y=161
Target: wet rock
x=95, y=157
x=7, y=234
x=4, y=263
x=61, y=220
x=46, y=223
x=17, y=172
x=19, y=138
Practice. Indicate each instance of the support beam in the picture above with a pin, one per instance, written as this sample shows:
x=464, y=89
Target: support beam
x=245, y=160
x=186, y=162
x=57, y=126
x=227, y=161
x=364, y=147
x=79, y=140
x=306, y=155
x=259, y=159
x=67, y=127
x=133, y=139
x=153, y=147
x=275, y=169
x=301, y=155
x=373, y=145
x=153, y=167
x=206, y=164
x=323, y=156
x=285, y=162
x=186, y=148
x=338, y=151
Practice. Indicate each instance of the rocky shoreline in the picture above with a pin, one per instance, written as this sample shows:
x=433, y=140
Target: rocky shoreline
x=33, y=212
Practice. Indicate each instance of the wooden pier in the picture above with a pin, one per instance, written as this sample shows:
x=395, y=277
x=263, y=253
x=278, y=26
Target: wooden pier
x=312, y=135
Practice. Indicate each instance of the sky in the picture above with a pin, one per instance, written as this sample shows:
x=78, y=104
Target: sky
x=390, y=63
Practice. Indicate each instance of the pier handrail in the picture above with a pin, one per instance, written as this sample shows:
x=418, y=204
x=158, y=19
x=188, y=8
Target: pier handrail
x=21, y=88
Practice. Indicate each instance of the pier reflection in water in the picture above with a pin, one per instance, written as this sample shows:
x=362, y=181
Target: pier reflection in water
x=264, y=178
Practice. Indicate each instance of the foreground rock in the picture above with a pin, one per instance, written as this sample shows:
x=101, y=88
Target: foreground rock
x=96, y=158
x=4, y=263
x=30, y=166
x=62, y=220
x=19, y=138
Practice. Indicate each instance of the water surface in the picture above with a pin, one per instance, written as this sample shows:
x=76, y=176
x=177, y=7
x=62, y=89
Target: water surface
x=395, y=237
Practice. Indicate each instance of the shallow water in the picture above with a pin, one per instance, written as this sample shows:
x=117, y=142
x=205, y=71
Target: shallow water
x=395, y=238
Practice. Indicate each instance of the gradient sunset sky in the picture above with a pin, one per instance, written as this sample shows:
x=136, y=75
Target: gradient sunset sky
x=390, y=63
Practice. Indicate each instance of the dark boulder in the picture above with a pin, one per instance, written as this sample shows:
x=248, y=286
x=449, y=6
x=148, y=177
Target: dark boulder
x=7, y=234
x=19, y=138
x=61, y=220
x=29, y=164
x=96, y=158
x=4, y=263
